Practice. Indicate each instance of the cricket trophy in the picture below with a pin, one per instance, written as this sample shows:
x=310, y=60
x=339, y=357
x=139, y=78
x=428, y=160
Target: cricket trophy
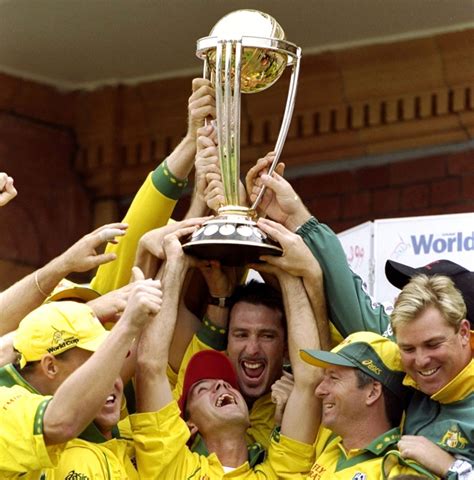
x=246, y=52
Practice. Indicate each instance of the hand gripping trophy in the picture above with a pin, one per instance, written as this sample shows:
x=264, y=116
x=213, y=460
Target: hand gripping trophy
x=246, y=52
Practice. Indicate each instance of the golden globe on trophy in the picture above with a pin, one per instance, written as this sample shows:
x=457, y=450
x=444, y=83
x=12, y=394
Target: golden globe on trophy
x=246, y=52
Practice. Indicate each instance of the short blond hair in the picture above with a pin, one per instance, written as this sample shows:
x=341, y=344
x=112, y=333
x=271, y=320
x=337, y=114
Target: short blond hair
x=422, y=292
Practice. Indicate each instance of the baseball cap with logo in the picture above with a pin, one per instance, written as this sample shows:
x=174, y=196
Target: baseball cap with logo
x=399, y=275
x=375, y=355
x=56, y=327
x=207, y=365
x=67, y=290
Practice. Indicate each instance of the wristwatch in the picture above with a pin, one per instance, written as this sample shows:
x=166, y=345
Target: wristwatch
x=222, y=302
x=460, y=470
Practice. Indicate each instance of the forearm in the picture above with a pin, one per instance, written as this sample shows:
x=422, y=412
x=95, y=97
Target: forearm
x=315, y=290
x=302, y=334
x=302, y=329
x=83, y=393
x=180, y=162
x=29, y=293
x=152, y=387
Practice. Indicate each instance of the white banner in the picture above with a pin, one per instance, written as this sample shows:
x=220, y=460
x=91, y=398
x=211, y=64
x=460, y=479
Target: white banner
x=417, y=241
x=357, y=243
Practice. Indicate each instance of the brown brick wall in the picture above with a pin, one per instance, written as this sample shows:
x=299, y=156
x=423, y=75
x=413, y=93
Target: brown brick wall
x=78, y=157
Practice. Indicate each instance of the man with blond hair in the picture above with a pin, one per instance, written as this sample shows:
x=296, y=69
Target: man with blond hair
x=438, y=354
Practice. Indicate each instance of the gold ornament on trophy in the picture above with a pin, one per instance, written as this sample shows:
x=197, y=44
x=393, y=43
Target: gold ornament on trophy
x=246, y=52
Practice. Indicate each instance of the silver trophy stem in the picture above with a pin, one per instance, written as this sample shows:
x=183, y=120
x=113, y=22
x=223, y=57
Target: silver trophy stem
x=228, y=118
x=289, y=107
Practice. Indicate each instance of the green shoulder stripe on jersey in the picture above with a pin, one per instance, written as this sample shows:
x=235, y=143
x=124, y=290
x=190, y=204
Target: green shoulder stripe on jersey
x=38, y=425
x=394, y=458
x=211, y=335
x=166, y=183
x=10, y=377
x=373, y=450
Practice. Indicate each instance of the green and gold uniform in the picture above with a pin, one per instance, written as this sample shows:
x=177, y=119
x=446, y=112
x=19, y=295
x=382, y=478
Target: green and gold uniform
x=151, y=208
x=446, y=418
x=92, y=456
x=333, y=462
x=160, y=442
x=23, y=452
x=262, y=413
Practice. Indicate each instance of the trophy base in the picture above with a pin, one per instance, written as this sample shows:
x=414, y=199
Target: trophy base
x=233, y=239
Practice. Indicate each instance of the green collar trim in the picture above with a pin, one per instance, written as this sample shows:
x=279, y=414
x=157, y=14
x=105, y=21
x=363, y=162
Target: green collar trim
x=384, y=441
x=256, y=453
x=92, y=434
x=393, y=458
x=10, y=377
x=375, y=449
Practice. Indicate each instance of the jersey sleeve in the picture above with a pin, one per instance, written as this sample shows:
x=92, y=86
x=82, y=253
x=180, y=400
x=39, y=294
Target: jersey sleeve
x=160, y=443
x=288, y=458
x=351, y=308
x=22, y=445
x=151, y=208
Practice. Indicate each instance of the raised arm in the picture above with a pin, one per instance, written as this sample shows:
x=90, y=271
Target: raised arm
x=152, y=386
x=83, y=393
x=30, y=292
x=350, y=307
x=303, y=333
x=299, y=262
x=154, y=203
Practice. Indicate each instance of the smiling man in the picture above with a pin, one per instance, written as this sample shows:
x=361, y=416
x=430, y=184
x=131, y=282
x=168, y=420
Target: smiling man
x=215, y=410
x=251, y=327
x=256, y=342
x=362, y=399
x=429, y=321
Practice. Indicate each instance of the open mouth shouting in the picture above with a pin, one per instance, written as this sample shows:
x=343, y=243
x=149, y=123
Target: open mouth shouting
x=253, y=370
x=225, y=399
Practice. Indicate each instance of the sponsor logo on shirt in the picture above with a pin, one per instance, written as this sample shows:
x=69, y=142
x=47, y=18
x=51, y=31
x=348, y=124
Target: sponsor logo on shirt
x=73, y=475
x=317, y=471
x=359, y=476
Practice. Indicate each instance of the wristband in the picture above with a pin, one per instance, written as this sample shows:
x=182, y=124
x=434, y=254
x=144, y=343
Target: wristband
x=222, y=302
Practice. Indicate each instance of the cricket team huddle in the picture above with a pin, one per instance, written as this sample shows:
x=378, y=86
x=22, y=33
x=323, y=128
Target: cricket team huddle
x=173, y=367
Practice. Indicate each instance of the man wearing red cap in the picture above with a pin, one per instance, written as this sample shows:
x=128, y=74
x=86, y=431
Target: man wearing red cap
x=215, y=411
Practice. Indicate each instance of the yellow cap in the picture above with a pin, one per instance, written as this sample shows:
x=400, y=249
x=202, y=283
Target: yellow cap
x=56, y=327
x=67, y=290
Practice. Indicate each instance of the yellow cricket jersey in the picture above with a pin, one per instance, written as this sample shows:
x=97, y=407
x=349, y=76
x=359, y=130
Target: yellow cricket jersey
x=151, y=208
x=161, y=452
x=23, y=452
x=376, y=461
x=92, y=456
x=261, y=414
